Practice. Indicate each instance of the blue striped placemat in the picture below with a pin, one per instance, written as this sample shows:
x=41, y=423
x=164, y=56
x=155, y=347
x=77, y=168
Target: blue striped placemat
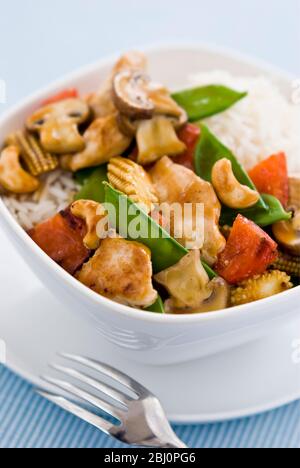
x=29, y=421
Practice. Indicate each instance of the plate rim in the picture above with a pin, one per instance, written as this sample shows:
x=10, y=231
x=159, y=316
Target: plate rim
x=182, y=419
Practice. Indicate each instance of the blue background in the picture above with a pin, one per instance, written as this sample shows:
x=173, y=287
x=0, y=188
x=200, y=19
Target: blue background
x=40, y=41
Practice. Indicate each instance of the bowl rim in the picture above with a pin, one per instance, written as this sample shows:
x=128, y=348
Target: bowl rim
x=62, y=275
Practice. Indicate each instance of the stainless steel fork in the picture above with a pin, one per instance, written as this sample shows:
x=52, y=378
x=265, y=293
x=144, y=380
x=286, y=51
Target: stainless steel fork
x=142, y=420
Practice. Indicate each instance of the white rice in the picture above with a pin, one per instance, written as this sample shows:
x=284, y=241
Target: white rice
x=55, y=194
x=262, y=124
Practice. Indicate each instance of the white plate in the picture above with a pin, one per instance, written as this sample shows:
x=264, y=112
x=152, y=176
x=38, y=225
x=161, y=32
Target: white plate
x=242, y=382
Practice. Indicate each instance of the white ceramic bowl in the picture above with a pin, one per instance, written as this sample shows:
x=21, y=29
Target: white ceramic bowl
x=142, y=336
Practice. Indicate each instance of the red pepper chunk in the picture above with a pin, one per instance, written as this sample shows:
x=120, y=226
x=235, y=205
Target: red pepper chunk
x=189, y=135
x=61, y=237
x=248, y=252
x=271, y=177
x=66, y=94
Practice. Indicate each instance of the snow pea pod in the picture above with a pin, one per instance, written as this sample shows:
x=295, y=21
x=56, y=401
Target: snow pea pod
x=210, y=150
x=165, y=250
x=206, y=101
x=92, y=184
x=260, y=216
x=158, y=307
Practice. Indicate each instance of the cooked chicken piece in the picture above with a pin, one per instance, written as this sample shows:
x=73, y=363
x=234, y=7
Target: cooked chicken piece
x=121, y=270
x=103, y=141
x=177, y=184
x=101, y=102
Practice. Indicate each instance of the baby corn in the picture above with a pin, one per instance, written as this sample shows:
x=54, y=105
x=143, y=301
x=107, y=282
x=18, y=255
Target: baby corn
x=289, y=264
x=37, y=160
x=261, y=287
x=131, y=179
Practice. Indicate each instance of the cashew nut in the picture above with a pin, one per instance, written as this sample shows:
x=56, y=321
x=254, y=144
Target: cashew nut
x=91, y=212
x=12, y=176
x=229, y=190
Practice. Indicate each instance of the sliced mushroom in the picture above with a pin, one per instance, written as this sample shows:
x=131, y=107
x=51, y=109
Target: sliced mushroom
x=12, y=175
x=157, y=138
x=287, y=234
x=138, y=98
x=57, y=125
x=103, y=141
x=228, y=188
x=190, y=288
x=92, y=213
x=177, y=184
x=130, y=92
x=101, y=102
x=219, y=300
x=121, y=270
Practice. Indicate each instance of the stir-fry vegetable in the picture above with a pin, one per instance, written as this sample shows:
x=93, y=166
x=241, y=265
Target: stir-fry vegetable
x=61, y=237
x=287, y=234
x=66, y=94
x=290, y=264
x=166, y=251
x=189, y=135
x=260, y=287
x=249, y=251
x=209, y=151
x=206, y=101
x=190, y=287
x=158, y=307
x=271, y=177
x=263, y=218
x=93, y=188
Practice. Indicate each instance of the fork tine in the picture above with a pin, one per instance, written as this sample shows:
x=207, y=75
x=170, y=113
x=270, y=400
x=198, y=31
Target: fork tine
x=93, y=400
x=81, y=413
x=103, y=388
x=109, y=371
